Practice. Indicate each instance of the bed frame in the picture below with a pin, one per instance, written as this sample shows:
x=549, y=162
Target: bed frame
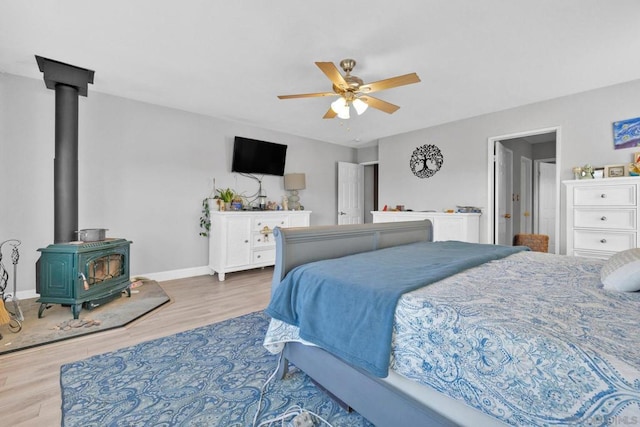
x=376, y=400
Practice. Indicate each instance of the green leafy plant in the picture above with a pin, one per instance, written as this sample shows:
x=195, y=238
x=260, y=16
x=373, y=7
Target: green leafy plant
x=226, y=195
x=205, y=218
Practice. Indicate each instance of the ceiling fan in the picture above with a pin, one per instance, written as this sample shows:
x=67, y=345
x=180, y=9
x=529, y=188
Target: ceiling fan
x=351, y=90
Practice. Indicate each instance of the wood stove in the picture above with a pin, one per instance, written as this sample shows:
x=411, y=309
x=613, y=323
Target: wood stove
x=82, y=274
x=79, y=274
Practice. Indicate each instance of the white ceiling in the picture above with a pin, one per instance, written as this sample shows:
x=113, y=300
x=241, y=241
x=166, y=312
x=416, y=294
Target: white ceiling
x=230, y=59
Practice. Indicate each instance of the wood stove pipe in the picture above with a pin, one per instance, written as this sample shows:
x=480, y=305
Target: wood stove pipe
x=68, y=81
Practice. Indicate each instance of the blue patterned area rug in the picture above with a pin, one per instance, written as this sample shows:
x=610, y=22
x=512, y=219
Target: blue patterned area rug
x=209, y=376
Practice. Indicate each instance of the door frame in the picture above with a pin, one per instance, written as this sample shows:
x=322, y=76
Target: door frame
x=490, y=178
x=507, y=198
x=536, y=186
x=526, y=188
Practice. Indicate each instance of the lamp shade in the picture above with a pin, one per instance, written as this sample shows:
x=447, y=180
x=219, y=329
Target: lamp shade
x=294, y=181
x=341, y=107
x=360, y=106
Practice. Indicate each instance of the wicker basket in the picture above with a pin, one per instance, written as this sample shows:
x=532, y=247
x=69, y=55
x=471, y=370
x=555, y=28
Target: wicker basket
x=535, y=242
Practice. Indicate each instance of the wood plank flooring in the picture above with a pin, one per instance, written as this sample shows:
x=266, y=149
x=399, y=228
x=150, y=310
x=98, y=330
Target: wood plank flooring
x=30, y=379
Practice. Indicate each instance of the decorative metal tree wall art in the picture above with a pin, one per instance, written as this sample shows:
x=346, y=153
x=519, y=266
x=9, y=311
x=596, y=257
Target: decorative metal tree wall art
x=426, y=161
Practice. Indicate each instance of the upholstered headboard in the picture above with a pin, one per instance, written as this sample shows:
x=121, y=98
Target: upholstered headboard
x=297, y=246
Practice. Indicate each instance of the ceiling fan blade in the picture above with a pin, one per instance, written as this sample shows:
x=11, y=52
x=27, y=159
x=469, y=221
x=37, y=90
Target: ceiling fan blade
x=379, y=104
x=307, y=95
x=331, y=71
x=330, y=114
x=406, y=79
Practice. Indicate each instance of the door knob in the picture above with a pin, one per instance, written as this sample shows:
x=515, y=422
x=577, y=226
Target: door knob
x=342, y=213
x=507, y=216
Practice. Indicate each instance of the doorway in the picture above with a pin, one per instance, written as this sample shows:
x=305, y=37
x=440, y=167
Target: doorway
x=370, y=190
x=521, y=200
x=545, y=174
x=357, y=192
x=350, y=193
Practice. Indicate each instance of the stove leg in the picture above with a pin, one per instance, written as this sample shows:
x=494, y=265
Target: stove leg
x=128, y=291
x=75, y=309
x=43, y=307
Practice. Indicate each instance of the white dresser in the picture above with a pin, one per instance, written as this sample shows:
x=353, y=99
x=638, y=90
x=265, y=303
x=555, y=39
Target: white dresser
x=464, y=227
x=602, y=216
x=241, y=240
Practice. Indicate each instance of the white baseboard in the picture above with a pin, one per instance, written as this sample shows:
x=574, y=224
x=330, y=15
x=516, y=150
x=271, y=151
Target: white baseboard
x=31, y=293
x=175, y=274
x=159, y=276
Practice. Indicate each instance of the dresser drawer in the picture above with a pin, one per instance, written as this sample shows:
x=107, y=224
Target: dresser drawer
x=603, y=240
x=620, y=219
x=593, y=254
x=264, y=256
x=619, y=195
x=261, y=240
x=270, y=222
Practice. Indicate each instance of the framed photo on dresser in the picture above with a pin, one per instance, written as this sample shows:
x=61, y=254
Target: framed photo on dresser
x=615, y=171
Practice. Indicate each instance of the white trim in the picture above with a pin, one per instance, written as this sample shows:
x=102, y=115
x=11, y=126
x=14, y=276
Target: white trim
x=536, y=187
x=490, y=181
x=31, y=293
x=162, y=276
x=526, y=164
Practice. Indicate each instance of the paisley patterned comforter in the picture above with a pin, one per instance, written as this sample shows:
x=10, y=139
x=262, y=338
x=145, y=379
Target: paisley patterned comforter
x=531, y=339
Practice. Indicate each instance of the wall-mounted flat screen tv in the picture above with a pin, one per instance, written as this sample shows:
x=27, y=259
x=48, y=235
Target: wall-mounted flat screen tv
x=258, y=157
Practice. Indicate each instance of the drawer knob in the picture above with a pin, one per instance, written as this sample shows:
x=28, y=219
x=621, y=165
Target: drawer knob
x=603, y=196
x=246, y=241
x=259, y=256
x=603, y=240
x=604, y=218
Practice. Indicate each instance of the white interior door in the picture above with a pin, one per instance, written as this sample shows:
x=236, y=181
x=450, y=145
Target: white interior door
x=350, y=193
x=546, y=212
x=503, y=191
x=526, y=195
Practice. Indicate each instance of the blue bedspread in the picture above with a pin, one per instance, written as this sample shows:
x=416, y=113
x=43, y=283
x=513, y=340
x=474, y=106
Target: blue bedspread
x=325, y=298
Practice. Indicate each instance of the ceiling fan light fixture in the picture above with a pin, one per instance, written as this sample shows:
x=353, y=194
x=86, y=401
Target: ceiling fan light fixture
x=360, y=106
x=341, y=108
x=352, y=90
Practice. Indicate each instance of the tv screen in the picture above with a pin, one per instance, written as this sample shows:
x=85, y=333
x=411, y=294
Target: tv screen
x=258, y=157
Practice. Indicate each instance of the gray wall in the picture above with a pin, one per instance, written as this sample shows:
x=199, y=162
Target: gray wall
x=143, y=172
x=585, y=137
x=367, y=154
x=144, y=169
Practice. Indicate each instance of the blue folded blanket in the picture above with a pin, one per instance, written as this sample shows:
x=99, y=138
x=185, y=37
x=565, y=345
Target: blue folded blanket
x=346, y=305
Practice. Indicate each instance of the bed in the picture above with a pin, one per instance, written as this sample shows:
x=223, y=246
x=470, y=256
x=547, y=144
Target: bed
x=524, y=338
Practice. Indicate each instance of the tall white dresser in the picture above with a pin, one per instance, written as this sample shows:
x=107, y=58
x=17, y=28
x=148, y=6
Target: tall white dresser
x=241, y=240
x=464, y=227
x=602, y=216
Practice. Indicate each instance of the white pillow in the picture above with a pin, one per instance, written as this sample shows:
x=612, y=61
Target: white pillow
x=621, y=272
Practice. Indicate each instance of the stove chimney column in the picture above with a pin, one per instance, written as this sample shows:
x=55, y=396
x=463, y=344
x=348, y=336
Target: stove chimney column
x=68, y=81
x=65, y=165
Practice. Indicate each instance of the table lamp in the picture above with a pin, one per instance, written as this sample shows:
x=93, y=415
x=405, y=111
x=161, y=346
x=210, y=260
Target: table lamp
x=294, y=182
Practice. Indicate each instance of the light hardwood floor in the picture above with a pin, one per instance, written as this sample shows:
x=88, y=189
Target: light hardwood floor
x=30, y=379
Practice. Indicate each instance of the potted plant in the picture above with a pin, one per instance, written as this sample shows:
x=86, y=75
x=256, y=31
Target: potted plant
x=226, y=195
